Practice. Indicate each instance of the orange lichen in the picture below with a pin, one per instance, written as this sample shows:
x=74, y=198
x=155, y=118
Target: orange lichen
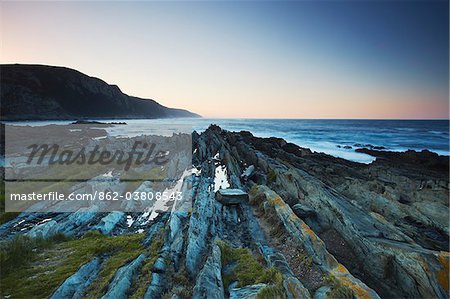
x=341, y=269
x=358, y=290
x=309, y=231
x=293, y=290
x=278, y=201
x=443, y=273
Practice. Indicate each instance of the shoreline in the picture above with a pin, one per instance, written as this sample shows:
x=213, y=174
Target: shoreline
x=318, y=221
x=325, y=142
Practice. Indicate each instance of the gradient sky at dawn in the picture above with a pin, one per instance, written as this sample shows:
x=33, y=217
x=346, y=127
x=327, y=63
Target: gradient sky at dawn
x=296, y=59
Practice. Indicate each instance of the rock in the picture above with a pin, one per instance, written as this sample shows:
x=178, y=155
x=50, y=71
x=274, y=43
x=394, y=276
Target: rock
x=44, y=230
x=209, y=281
x=156, y=287
x=176, y=237
x=109, y=222
x=155, y=228
x=87, y=122
x=228, y=270
x=261, y=162
x=248, y=172
x=294, y=289
x=123, y=279
x=82, y=216
x=199, y=227
x=231, y=196
x=69, y=224
x=312, y=244
x=271, y=256
x=77, y=223
x=175, y=223
x=404, y=199
x=104, y=183
x=159, y=282
x=344, y=146
x=247, y=292
x=387, y=222
x=303, y=211
x=93, y=122
x=362, y=205
x=322, y=292
x=74, y=286
x=160, y=265
x=378, y=243
x=422, y=161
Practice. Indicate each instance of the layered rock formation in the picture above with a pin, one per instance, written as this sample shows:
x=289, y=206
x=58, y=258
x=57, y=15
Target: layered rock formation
x=299, y=225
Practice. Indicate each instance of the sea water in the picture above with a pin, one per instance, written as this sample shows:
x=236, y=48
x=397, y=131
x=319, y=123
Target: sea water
x=339, y=138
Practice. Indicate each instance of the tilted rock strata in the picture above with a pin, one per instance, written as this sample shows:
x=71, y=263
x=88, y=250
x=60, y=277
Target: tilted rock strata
x=389, y=215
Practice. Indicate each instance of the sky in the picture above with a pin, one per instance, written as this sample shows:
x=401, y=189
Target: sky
x=248, y=59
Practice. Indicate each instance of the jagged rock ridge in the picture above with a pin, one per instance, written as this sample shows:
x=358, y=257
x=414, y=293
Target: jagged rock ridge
x=314, y=225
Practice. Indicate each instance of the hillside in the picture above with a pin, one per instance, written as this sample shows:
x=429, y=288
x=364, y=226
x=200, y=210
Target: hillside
x=39, y=92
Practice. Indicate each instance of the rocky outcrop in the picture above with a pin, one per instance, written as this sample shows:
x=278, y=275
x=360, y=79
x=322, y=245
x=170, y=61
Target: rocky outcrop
x=123, y=279
x=44, y=230
x=177, y=237
x=303, y=211
x=74, y=286
x=156, y=287
x=248, y=292
x=199, y=227
x=322, y=227
x=109, y=222
x=158, y=283
x=315, y=247
x=393, y=213
x=209, y=281
x=231, y=196
x=33, y=92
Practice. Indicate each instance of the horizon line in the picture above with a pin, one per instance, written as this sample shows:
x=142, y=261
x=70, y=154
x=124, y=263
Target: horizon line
x=322, y=118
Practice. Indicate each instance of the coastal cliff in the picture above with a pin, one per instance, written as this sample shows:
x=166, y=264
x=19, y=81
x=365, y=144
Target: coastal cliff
x=40, y=92
x=289, y=223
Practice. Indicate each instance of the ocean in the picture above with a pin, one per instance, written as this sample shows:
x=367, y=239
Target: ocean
x=335, y=137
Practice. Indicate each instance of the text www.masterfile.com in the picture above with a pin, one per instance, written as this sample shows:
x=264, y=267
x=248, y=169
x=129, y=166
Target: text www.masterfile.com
x=106, y=196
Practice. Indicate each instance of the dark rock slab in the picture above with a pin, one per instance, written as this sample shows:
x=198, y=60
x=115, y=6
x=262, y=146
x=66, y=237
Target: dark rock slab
x=303, y=211
x=231, y=196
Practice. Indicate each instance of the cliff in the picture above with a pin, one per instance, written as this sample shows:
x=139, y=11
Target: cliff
x=39, y=92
